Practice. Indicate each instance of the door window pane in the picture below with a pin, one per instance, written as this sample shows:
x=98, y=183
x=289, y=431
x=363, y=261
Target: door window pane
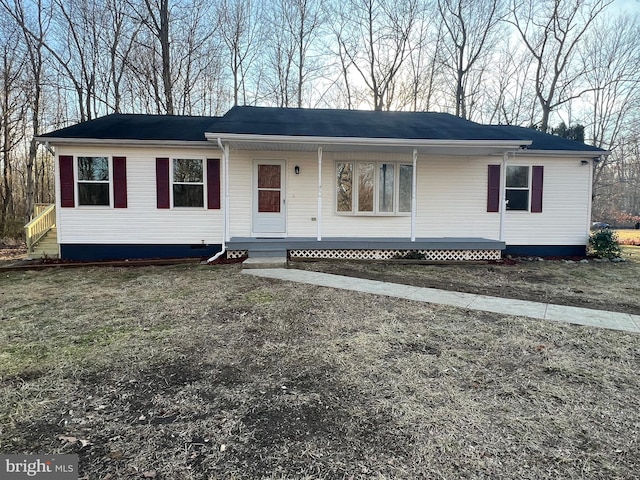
x=269, y=201
x=268, y=176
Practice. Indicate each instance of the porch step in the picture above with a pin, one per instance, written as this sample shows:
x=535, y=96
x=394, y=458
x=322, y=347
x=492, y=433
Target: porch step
x=47, y=247
x=267, y=252
x=265, y=262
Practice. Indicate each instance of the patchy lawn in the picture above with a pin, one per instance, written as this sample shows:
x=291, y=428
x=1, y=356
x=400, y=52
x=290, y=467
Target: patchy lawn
x=193, y=372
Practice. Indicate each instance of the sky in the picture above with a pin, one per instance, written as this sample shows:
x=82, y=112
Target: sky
x=628, y=5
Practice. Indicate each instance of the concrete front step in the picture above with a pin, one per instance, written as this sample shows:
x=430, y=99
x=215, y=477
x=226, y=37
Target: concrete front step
x=265, y=262
x=267, y=252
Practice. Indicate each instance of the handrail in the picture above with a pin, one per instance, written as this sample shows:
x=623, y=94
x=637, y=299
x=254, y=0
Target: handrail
x=38, y=208
x=39, y=226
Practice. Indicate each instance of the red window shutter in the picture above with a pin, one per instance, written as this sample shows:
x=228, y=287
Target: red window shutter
x=120, y=182
x=162, y=182
x=493, y=191
x=67, y=184
x=537, y=178
x=213, y=183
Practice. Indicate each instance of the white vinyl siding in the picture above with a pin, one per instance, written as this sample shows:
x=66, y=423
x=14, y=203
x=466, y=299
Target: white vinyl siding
x=141, y=222
x=451, y=201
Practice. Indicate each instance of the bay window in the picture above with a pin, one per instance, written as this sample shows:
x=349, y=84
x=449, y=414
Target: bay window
x=373, y=188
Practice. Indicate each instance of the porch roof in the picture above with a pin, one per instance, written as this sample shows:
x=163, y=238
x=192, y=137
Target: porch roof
x=299, y=129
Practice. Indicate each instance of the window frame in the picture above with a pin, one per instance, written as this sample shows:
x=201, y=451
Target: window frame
x=108, y=182
x=202, y=183
x=355, y=187
x=528, y=189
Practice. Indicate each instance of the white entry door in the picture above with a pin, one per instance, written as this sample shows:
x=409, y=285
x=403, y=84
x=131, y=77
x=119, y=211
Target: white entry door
x=269, y=215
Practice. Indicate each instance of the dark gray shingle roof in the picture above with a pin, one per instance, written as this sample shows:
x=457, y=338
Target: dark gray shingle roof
x=354, y=124
x=545, y=141
x=119, y=126
x=310, y=123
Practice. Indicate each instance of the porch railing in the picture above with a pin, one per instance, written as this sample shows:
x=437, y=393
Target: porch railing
x=44, y=220
x=38, y=208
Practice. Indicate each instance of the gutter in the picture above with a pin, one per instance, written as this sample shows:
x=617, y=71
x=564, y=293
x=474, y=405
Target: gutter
x=225, y=222
x=359, y=141
x=122, y=142
x=589, y=154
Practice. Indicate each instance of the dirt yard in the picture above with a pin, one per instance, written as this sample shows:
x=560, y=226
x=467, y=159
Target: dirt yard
x=194, y=372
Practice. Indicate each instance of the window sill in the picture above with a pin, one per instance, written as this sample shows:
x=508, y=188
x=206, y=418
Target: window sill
x=362, y=214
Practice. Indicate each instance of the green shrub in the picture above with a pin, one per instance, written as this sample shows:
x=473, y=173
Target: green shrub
x=604, y=244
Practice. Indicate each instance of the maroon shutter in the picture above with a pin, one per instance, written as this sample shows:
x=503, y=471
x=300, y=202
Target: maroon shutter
x=213, y=183
x=162, y=182
x=537, y=177
x=120, y=182
x=67, y=184
x=493, y=192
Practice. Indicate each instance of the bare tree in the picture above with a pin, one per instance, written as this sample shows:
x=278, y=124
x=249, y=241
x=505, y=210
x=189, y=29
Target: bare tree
x=377, y=45
x=238, y=24
x=156, y=15
x=32, y=24
x=471, y=32
x=611, y=59
x=294, y=29
x=551, y=31
x=13, y=107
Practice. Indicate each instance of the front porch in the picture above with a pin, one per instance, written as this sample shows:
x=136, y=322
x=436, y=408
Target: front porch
x=370, y=248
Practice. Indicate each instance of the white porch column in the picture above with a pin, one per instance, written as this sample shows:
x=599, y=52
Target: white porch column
x=319, y=214
x=503, y=193
x=414, y=202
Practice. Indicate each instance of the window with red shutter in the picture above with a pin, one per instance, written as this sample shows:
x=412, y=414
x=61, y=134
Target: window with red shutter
x=67, y=184
x=493, y=190
x=162, y=182
x=120, y=182
x=213, y=183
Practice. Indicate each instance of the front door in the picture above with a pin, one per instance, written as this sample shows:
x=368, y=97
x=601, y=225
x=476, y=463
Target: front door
x=269, y=197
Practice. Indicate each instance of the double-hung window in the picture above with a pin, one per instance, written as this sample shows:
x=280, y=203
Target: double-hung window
x=517, y=187
x=188, y=182
x=93, y=181
x=375, y=188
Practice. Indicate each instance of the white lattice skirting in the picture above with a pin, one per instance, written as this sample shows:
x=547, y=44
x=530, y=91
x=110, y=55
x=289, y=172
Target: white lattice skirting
x=351, y=254
x=434, y=255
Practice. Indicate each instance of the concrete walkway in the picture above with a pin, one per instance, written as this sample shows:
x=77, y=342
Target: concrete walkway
x=506, y=306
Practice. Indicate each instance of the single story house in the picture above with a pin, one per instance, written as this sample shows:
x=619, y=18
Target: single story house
x=315, y=183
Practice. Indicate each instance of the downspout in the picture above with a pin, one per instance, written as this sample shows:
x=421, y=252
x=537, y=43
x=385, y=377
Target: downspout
x=503, y=194
x=592, y=165
x=225, y=226
x=414, y=201
x=319, y=215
